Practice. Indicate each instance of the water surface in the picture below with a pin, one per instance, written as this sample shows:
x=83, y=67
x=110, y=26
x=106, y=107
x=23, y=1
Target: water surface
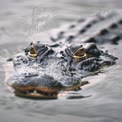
x=16, y=28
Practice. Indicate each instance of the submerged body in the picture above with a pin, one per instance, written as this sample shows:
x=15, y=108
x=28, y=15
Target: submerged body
x=43, y=70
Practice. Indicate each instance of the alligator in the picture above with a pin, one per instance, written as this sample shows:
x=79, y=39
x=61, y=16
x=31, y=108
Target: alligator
x=42, y=70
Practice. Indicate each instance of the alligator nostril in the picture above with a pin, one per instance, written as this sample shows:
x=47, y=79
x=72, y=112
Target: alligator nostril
x=113, y=26
x=103, y=32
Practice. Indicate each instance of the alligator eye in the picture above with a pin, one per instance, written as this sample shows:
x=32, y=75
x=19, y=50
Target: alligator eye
x=79, y=54
x=32, y=52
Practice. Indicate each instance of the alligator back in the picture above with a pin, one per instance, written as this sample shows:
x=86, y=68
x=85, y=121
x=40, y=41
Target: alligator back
x=100, y=29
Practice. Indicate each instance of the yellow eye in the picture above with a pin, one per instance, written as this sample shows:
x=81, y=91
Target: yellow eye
x=79, y=54
x=32, y=52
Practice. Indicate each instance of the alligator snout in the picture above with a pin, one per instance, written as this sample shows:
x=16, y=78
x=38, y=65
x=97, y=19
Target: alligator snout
x=35, y=86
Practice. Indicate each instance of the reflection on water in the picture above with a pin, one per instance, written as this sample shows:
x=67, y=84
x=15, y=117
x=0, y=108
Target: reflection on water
x=17, y=24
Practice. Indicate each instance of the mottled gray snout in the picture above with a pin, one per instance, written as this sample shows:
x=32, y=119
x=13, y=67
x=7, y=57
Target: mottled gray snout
x=20, y=60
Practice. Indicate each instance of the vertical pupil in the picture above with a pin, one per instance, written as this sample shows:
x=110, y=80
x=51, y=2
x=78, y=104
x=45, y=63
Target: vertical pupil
x=32, y=51
x=79, y=52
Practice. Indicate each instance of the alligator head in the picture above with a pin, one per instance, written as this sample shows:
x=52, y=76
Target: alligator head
x=41, y=73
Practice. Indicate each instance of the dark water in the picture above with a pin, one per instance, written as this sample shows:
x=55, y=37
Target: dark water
x=17, y=26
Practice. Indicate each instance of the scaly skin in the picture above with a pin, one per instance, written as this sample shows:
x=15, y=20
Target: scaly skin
x=37, y=77
x=43, y=70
